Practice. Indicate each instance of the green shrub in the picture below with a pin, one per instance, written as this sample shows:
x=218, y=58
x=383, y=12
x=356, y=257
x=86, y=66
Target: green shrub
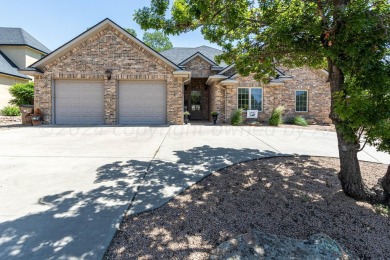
x=237, y=117
x=276, y=117
x=23, y=94
x=10, y=111
x=298, y=120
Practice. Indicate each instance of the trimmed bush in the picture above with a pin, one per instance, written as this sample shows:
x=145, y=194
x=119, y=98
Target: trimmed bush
x=23, y=94
x=237, y=117
x=276, y=117
x=299, y=120
x=10, y=111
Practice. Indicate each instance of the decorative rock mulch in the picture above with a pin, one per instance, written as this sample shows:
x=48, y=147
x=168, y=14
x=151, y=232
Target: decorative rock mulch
x=293, y=197
x=258, y=245
x=8, y=122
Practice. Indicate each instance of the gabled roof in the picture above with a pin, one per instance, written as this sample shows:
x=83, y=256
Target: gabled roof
x=7, y=67
x=91, y=31
x=180, y=54
x=19, y=37
x=226, y=69
x=197, y=54
x=281, y=76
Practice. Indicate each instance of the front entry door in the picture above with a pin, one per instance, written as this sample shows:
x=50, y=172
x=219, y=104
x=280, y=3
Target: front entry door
x=196, y=105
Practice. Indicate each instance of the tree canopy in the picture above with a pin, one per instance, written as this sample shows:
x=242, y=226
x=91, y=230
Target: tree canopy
x=157, y=40
x=131, y=31
x=348, y=38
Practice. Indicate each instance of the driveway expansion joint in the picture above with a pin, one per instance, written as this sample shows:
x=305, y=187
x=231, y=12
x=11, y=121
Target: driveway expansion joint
x=260, y=140
x=142, y=180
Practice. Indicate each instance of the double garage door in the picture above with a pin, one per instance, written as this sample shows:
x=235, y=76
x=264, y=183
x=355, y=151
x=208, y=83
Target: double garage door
x=82, y=102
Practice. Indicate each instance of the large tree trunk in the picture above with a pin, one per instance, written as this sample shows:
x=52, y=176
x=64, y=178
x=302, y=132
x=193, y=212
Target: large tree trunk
x=386, y=186
x=349, y=175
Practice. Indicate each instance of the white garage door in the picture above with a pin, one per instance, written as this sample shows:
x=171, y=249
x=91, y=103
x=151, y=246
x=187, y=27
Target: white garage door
x=142, y=103
x=79, y=102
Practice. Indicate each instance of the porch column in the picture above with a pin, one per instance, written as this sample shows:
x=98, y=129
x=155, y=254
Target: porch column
x=230, y=88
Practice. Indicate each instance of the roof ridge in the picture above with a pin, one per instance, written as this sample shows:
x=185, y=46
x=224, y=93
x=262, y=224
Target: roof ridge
x=10, y=27
x=20, y=37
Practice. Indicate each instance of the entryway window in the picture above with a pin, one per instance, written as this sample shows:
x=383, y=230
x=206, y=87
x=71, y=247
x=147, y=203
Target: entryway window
x=196, y=97
x=250, y=98
x=301, y=100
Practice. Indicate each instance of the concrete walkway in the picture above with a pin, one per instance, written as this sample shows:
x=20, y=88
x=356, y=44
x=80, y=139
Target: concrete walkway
x=63, y=191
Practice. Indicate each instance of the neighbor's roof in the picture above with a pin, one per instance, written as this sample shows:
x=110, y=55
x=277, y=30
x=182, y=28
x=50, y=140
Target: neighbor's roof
x=19, y=37
x=180, y=54
x=7, y=67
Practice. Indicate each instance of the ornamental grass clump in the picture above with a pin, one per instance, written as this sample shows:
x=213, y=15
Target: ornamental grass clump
x=10, y=111
x=299, y=120
x=276, y=117
x=237, y=118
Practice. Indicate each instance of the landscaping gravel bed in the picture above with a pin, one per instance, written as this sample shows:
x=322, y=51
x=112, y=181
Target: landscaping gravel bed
x=8, y=122
x=294, y=197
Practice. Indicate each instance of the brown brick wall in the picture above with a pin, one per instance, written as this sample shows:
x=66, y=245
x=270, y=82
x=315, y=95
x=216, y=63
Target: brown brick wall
x=217, y=101
x=273, y=96
x=223, y=98
x=199, y=68
x=109, y=49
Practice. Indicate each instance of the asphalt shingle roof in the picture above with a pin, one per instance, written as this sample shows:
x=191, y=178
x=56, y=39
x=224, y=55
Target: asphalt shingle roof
x=180, y=54
x=18, y=36
x=9, y=68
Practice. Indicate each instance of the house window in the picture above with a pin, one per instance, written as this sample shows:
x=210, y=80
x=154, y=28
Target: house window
x=250, y=98
x=301, y=100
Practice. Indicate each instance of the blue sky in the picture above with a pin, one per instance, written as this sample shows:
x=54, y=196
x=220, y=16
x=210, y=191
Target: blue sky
x=54, y=22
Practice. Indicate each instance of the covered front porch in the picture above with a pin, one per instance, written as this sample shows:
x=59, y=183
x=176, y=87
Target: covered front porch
x=197, y=99
x=205, y=95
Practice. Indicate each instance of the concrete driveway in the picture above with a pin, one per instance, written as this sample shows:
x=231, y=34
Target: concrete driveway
x=63, y=191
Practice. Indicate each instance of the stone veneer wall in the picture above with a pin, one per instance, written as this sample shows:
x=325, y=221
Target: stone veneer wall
x=273, y=96
x=109, y=49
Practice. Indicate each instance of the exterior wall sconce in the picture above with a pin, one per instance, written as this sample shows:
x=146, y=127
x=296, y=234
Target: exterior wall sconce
x=108, y=74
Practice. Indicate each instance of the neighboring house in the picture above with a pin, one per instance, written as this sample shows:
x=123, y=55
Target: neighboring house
x=18, y=50
x=107, y=76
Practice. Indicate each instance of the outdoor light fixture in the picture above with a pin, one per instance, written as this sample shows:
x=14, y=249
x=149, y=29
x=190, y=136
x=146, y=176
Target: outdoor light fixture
x=108, y=74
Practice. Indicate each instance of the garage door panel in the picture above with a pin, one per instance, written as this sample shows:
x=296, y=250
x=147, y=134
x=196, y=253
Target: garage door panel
x=142, y=103
x=79, y=102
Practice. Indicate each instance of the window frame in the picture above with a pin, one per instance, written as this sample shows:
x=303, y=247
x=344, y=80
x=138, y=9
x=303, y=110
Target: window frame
x=307, y=100
x=250, y=97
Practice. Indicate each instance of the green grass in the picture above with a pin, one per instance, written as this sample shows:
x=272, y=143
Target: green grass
x=237, y=118
x=10, y=111
x=276, y=117
x=299, y=120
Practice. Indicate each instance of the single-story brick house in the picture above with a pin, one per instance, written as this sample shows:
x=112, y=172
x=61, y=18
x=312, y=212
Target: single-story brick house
x=107, y=76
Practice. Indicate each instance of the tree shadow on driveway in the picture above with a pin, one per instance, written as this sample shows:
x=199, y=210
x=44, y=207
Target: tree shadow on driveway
x=81, y=224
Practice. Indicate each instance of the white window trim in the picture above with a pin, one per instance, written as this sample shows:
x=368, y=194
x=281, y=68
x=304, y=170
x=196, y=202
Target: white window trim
x=307, y=100
x=250, y=100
